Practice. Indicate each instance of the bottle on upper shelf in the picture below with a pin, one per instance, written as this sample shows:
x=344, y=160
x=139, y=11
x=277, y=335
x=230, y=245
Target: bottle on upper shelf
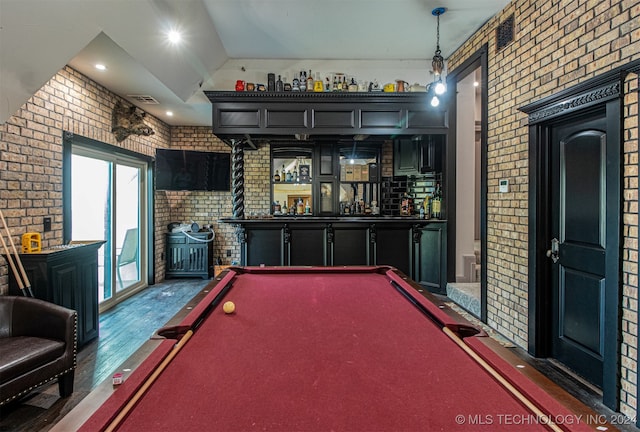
x=276, y=177
x=353, y=86
x=317, y=84
x=309, y=81
x=279, y=84
x=303, y=81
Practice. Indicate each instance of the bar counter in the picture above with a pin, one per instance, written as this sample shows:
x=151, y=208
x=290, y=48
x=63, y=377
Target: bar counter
x=415, y=246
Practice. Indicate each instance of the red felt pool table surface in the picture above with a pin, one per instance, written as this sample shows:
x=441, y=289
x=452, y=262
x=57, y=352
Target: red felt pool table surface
x=326, y=349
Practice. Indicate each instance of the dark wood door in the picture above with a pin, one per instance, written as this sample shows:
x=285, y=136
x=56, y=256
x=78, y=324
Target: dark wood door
x=578, y=216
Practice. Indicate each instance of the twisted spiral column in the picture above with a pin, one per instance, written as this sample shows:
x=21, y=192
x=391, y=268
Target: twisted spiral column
x=237, y=178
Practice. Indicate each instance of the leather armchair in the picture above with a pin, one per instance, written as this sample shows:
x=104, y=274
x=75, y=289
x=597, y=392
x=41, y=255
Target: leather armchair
x=38, y=343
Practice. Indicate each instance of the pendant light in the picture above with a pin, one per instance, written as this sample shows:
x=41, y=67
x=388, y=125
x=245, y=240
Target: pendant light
x=437, y=63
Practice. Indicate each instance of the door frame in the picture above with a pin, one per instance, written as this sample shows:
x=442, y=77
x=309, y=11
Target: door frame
x=479, y=59
x=602, y=93
x=68, y=140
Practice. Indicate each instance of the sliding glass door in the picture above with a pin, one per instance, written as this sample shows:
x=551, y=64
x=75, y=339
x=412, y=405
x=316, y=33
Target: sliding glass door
x=108, y=202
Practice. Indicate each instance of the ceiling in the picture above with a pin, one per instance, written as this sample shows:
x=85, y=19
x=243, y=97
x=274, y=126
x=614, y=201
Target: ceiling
x=223, y=40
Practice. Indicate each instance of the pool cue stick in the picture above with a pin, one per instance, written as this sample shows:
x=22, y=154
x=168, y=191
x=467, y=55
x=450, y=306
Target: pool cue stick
x=145, y=386
x=12, y=265
x=506, y=384
x=25, y=278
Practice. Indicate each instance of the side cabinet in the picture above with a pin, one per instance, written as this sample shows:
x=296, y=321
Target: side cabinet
x=189, y=255
x=68, y=277
x=430, y=260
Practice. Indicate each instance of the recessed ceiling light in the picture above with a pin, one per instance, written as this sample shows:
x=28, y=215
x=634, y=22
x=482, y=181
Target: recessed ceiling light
x=170, y=113
x=100, y=66
x=476, y=83
x=174, y=36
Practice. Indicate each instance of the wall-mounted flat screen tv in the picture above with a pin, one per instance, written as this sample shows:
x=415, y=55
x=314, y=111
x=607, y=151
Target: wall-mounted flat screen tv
x=192, y=170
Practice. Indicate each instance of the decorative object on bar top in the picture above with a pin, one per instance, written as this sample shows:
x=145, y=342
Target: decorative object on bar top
x=128, y=120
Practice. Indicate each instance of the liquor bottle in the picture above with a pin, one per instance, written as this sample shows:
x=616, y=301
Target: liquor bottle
x=345, y=85
x=327, y=85
x=300, y=206
x=276, y=177
x=317, y=83
x=404, y=205
x=335, y=84
x=353, y=86
x=288, y=176
x=294, y=176
x=283, y=176
x=279, y=84
x=347, y=208
x=426, y=205
x=436, y=202
x=303, y=81
x=309, y=81
x=307, y=208
x=285, y=210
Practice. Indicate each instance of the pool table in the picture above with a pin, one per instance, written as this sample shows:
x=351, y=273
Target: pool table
x=321, y=349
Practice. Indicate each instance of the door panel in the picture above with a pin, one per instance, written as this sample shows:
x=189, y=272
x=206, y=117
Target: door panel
x=578, y=221
x=581, y=317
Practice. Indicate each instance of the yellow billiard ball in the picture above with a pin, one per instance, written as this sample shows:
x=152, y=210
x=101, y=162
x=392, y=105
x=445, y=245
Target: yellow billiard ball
x=228, y=307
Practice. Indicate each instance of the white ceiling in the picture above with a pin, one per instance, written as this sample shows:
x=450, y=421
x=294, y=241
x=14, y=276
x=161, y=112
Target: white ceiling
x=223, y=40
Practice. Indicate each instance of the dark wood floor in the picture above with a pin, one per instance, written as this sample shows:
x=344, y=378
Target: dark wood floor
x=126, y=327
x=123, y=329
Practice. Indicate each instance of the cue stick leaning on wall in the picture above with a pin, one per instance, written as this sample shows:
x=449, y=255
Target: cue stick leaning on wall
x=25, y=287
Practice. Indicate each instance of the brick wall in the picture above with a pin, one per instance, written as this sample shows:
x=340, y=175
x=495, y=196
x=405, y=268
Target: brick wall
x=31, y=151
x=208, y=207
x=629, y=344
x=557, y=44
